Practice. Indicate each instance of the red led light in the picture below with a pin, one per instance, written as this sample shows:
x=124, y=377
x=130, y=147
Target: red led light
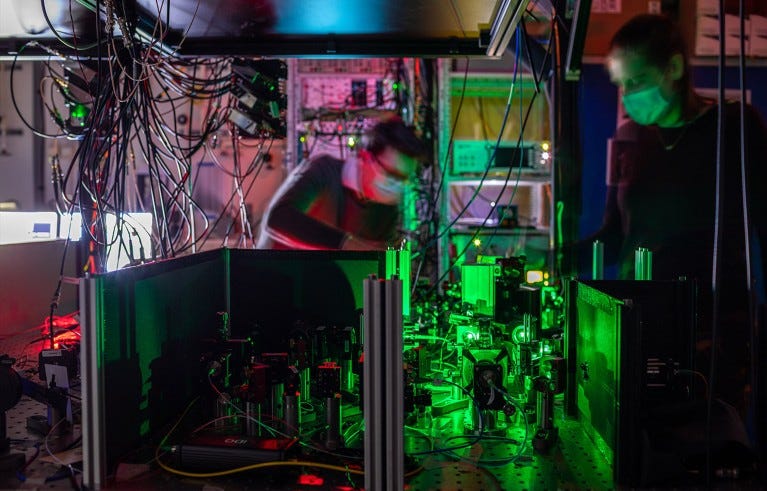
x=310, y=480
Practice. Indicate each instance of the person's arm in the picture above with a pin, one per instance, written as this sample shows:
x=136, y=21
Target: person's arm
x=611, y=230
x=353, y=243
x=287, y=221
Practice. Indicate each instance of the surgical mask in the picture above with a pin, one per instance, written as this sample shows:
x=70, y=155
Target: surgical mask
x=646, y=106
x=387, y=190
x=382, y=186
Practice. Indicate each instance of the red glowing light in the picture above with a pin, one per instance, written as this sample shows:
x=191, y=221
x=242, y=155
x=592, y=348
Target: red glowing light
x=310, y=480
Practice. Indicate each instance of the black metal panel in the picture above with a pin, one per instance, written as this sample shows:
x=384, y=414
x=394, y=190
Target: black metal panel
x=634, y=371
x=276, y=28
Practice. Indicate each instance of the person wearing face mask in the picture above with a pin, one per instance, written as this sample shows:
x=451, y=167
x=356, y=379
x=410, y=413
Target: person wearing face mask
x=352, y=204
x=661, y=178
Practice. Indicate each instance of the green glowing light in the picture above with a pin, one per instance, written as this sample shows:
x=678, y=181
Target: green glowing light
x=518, y=335
x=80, y=112
x=477, y=242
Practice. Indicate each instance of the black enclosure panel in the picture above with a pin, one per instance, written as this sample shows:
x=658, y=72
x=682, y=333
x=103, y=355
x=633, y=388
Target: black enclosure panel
x=157, y=324
x=153, y=322
x=275, y=291
x=634, y=344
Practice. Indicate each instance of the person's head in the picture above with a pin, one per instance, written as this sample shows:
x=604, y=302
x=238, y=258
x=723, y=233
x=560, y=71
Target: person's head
x=648, y=61
x=389, y=160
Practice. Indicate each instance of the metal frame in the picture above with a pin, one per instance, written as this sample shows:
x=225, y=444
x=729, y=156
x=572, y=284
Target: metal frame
x=504, y=25
x=94, y=444
x=445, y=88
x=383, y=385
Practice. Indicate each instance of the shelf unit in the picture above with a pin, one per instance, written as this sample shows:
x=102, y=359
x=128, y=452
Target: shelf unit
x=481, y=181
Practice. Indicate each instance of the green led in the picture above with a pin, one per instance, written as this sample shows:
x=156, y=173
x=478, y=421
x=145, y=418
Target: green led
x=395, y=86
x=79, y=111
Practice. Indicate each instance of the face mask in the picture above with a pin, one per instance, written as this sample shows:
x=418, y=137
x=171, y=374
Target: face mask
x=386, y=189
x=380, y=185
x=646, y=106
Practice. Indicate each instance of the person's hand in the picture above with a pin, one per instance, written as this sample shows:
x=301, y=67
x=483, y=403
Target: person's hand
x=352, y=243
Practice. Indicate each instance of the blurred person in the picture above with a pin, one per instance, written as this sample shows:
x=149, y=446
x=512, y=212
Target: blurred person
x=351, y=204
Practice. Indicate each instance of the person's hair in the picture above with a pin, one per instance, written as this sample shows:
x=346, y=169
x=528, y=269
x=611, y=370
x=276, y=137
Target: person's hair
x=657, y=38
x=393, y=132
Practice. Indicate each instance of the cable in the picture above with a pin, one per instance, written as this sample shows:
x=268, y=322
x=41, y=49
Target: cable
x=263, y=465
x=271, y=430
x=700, y=376
x=503, y=188
x=478, y=436
x=248, y=467
x=13, y=94
x=20, y=473
x=58, y=36
x=175, y=425
x=753, y=334
x=718, y=236
x=490, y=462
x=434, y=203
x=521, y=410
x=519, y=168
x=51, y=454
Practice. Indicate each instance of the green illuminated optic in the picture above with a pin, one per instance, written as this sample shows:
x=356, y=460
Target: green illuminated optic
x=518, y=335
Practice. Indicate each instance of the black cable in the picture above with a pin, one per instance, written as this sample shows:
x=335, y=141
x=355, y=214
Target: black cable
x=238, y=186
x=443, y=169
x=478, y=437
x=57, y=292
x=58, y=36
x=13, y=94
x=493, y=154
x=231, y=198
x=444, y=164
x=754, y=397
x=718, y=236
x=503, y=189
x=495, y=230
x=536, y=77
